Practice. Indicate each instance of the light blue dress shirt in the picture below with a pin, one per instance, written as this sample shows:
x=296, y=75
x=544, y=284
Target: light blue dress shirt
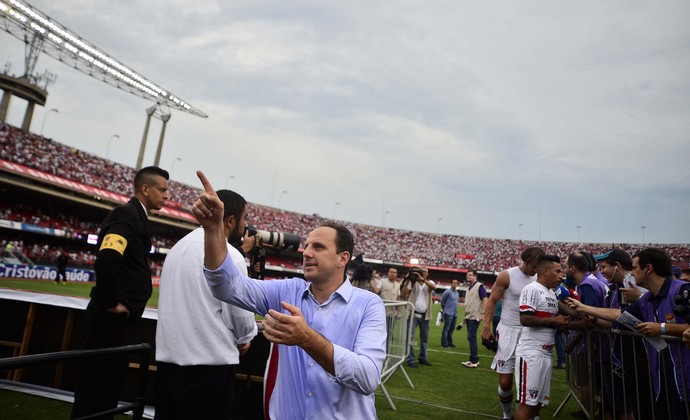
x=354, y=320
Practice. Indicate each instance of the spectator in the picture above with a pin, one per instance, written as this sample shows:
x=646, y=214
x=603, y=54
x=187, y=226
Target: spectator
x=449, y=308
x=670, y=372
x=417, y=288
x=62, y=260
x=475, y=304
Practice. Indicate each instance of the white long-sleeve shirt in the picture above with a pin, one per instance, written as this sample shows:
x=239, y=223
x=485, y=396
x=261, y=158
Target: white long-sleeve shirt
x=195, y=328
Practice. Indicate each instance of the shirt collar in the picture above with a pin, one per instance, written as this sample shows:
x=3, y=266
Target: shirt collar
x=344, y=291
x=664, y=287
x=143, y=207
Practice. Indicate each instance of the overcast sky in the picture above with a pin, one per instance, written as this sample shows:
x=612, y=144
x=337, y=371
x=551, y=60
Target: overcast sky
x=462, y=117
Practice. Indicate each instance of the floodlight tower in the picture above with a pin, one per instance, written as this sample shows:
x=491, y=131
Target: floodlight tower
x=41, y=33
x=165, y=117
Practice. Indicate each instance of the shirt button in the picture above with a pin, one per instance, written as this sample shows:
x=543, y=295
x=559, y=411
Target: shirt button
x=318, y=309
x=311, y=363
x=309, y=394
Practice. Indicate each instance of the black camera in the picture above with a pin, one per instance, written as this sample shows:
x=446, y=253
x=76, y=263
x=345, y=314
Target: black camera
x=682, y=303
x=286, y=241
x=491, y=344
x=414, y=274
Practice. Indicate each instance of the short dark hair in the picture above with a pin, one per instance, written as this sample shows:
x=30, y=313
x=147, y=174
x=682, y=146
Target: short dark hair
x=658, y=259
x=145, y=175
x=344, y=240
x=472, y=270
x=547, y=259
x=579, y=261
x=532, y=254
x=591, y=262
x=617, y=256
x=234, y=203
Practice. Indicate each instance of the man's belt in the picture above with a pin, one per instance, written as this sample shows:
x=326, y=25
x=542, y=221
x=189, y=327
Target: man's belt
x=419, y=314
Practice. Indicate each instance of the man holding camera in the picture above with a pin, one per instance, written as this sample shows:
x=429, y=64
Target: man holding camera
x=417, y=288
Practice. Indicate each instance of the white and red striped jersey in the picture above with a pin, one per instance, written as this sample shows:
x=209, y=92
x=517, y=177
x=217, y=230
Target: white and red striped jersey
x=541, y=302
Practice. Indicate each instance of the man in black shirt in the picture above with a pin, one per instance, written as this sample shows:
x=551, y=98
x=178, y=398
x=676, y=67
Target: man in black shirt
x=123, y=286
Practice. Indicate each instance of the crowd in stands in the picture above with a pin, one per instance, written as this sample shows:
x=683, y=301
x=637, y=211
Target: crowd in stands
x=440, y=250
x=42, y=253
x=73, y=226
x=49, y=156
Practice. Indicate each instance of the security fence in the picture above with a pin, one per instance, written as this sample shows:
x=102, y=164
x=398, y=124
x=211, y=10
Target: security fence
x=621, y=375
x=399, y=331
x=143, y=351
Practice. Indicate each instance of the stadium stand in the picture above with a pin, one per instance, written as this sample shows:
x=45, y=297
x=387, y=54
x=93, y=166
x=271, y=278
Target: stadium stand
x=439, y=251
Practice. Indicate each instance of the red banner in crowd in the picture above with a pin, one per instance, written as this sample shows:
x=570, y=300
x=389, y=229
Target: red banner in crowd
x=464, y=256
x=97, y=193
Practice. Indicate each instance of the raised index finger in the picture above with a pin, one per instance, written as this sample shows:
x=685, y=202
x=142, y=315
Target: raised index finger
x=206, y=183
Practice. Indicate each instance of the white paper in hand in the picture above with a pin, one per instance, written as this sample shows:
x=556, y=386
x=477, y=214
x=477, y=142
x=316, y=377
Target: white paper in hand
x=631, y=321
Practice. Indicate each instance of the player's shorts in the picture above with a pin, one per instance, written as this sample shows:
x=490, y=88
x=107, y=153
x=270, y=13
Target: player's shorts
x=533, y=379
x=504, y=361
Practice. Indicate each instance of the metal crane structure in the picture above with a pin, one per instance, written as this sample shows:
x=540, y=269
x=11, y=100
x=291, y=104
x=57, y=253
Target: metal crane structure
x=41, y=33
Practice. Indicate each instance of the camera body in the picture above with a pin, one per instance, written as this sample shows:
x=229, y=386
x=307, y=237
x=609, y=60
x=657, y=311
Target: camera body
x=682, y=303
x=414, y=274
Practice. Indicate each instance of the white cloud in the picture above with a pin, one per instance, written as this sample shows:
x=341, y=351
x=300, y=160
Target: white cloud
x=482, y=113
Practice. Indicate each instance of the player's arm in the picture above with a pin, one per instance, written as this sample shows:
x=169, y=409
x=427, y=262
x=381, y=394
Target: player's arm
x=500, y=286
x=529, y=319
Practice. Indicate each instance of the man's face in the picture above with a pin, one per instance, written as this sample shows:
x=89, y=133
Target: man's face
x=321, y=260
x=640, y=273
x=155, y=193
x=471, y=277
x=392, y=274
x=237, y=232
x=569, y=272
x=454, y=284
x=612, y=272
x=685, y=276
x=552, y=275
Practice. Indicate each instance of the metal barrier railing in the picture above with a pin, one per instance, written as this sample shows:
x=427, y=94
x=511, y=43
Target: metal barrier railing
x=609, y=376
x=399, y=330
x=143, y=350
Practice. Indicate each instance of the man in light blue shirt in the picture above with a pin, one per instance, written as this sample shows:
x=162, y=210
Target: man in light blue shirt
x=331, y=335
x=449, y=307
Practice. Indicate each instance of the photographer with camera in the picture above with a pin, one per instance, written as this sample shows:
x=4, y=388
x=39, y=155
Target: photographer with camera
x=658, y=312
x=416, y=288
x=253, y=245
